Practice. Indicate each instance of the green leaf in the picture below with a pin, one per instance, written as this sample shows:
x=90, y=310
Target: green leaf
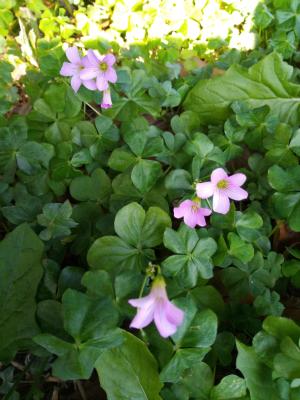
x=182, y=360
x=26, y=206
x=201, y=145
x=110, y=252
x=266, y=347
x=121, y=159
x=129, y=223
x=209, y=297
x=223, y=348
x=98, y=283
x=96, y=187
x=176, y=243
x=70, y=277
x=268, y=303
x=91, y=323
x=82, y=157
x=287, y=362
x=79, y=316
x=57, y=219
x=193, y=257
x=53, y=344
x=134, y=369
x=31, y=156
x=239, y=249
x=55, y=97
x=291, y=268
x=135, y=134
x=84, y=133
x=262, y=16
x=145, y=174
x=202, y=331
x=230, y=387
x=247, y=225
x=50, y=318
x=137, y=101
x=295, y=142
x=281, y=327
x=198, y=381
x=284, y=180
x=179, y=179
x=20, y=273
x=288, y=206
x=137, y=227
x=50, y=56
x=257, y=375
x=265, y=83
x=155, y=223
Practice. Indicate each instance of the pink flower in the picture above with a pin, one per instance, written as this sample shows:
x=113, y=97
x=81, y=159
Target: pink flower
x=106, y=99
x=99, y=67
x=156, y=306
x=192, y=213
x=73, y=69
x=222, y=187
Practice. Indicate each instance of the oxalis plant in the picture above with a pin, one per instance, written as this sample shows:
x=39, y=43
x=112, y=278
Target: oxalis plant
x=150, y=200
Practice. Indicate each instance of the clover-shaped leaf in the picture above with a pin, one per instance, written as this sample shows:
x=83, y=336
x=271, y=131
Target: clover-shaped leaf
x=91, y=323
x=192, y=259
x=193, y=339
x=56, y=217
x=138, y=232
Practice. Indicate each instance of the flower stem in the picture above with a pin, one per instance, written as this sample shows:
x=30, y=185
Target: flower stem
x=276, y=227
x=68, y=6
x=143, y=286
x=93, y=108
x=209, y=203
x=167, y=170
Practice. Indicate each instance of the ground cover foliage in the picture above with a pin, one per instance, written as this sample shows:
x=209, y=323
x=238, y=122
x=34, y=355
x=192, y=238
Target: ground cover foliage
x=87, y=197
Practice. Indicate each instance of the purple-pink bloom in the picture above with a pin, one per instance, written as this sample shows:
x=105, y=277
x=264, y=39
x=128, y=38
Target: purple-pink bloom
x=156, y=306
x=192, y=213
x=106, y=99
x=222, y=187
x=73, y=69
x=99, y=67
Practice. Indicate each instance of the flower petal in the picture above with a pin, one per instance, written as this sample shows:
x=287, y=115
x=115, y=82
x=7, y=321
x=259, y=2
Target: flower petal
x=191, y=218
x=105, y=105
x=221, y=203
x=106, y=100
x=200, y=218
x=142, y=301
x=92, y=58
x=237, y=179
x=183, y=208
x=164, y=326
x=90, y=84
x=205, y=211
x=174, y=314
x=86, y=63
x=143, y=317
x=101, y=82
x=205, y=190
x=73, y=55
x=218, y=175
x=109, y=59
x=111, y=75
x=75, y=83
x=236, y=193
x=68, y=69
x=89, y=73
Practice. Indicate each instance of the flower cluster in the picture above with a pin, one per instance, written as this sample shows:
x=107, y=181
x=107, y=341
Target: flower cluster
x=93, y=71
x=222, y=188
x=156, y=306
